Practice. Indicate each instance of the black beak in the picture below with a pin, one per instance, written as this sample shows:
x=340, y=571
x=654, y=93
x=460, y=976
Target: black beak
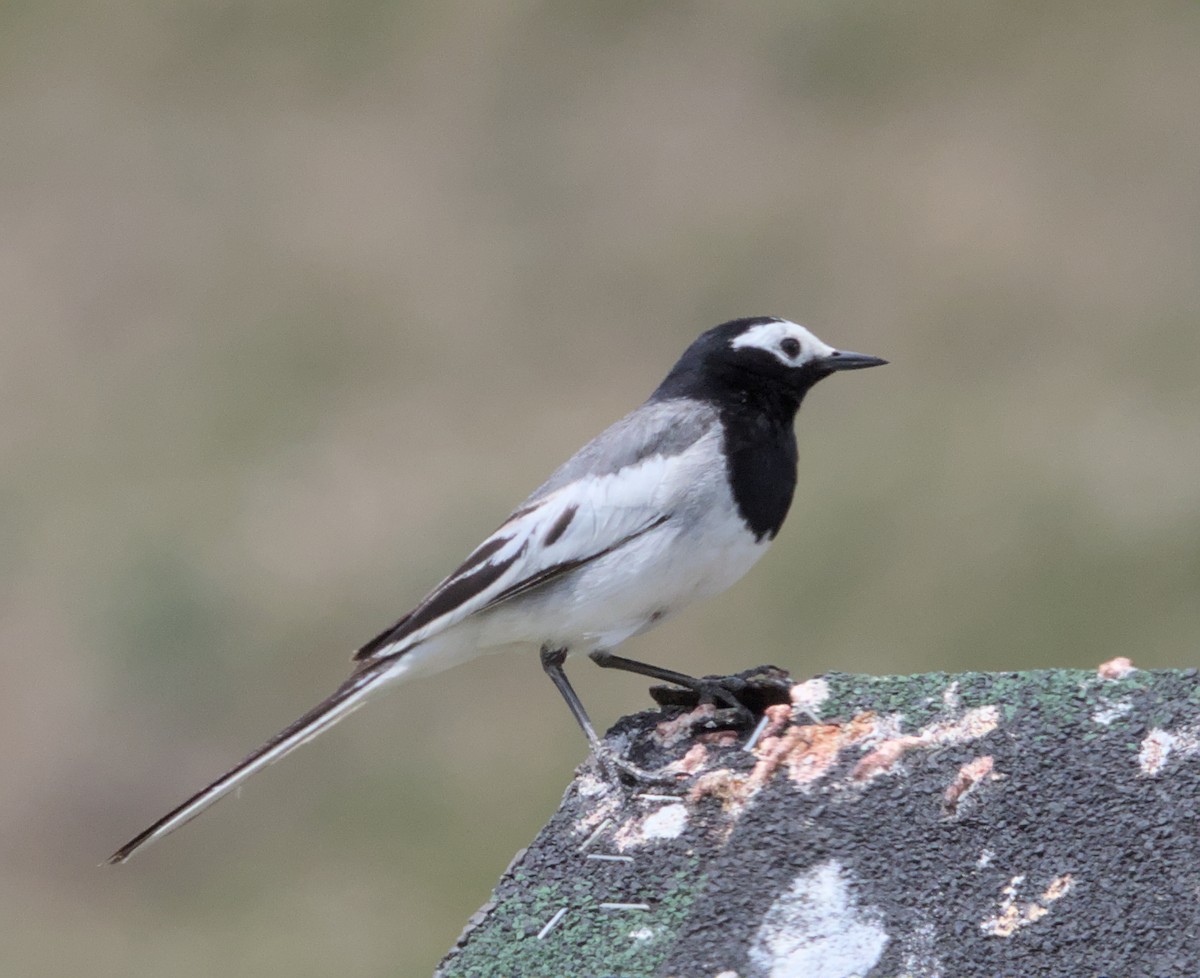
x=844, y=360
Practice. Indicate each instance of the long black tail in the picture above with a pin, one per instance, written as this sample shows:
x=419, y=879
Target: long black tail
x=349, y=696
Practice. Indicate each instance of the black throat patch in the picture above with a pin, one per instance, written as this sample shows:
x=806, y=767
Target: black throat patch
x=761, y=450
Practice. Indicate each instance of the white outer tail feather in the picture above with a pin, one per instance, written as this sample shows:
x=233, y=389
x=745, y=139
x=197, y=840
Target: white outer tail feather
x=349, y=697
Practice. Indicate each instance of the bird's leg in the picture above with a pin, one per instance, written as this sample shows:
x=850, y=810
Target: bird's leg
x=720, y=689
x=552, y=662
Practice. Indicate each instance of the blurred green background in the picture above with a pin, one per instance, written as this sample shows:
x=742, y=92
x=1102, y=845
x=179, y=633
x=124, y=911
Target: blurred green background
x=301, y=298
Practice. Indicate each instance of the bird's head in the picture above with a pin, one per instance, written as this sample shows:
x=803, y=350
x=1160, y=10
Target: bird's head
x=760, y=355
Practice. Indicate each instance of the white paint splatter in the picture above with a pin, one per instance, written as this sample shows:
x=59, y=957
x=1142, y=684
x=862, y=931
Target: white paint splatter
x=666, y=823
x=1158, y=746
x=808, y=696
x=920, y=959
x=1111, y=713
x=589, y=785
x=817, y=930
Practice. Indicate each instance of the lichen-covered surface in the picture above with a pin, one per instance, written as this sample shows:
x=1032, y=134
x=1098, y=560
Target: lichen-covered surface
x=1024, y=824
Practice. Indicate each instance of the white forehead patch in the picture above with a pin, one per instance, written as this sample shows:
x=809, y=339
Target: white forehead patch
x=772, y=336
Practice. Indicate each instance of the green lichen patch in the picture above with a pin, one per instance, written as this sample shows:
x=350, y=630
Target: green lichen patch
x=592, y=937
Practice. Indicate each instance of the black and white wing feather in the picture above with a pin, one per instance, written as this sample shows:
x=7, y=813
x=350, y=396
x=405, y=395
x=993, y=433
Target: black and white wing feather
x=611, y=492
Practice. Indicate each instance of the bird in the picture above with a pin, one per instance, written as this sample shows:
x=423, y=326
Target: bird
x=671, y=504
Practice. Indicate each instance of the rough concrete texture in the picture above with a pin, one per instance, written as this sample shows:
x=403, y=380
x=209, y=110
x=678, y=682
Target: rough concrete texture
x=1010, y=824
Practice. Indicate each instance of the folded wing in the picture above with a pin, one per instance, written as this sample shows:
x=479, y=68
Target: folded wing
x=615, y=489
x=536, y=545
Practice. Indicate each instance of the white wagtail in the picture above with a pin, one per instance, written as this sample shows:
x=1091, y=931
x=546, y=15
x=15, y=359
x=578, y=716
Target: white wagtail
x=672, y=503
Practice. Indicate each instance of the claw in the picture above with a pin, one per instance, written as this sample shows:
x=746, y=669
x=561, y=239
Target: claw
x=617, y=768
x=725, y=690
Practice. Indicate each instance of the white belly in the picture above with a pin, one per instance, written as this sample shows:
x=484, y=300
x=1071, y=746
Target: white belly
x=701, y=550
x=628, y=591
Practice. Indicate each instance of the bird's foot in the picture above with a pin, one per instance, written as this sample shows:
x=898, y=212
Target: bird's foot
x=725, y=693
x=619, y=769
x=746, y=694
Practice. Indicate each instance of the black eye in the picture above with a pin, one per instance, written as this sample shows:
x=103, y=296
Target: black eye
x=790, y=346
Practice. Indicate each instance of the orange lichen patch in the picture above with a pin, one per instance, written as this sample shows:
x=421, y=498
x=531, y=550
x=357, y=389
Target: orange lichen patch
x=1013, y=915
x=807, y=752
x=1117, y=668
x=883, y=758
x=811, y=752
x=719, y=738
x=725, y=785
x=863, y=726
x=972, y=725
x=969, y=775
x=772, y=751
x=670, y=732
x=777, y=718
x=691, y=762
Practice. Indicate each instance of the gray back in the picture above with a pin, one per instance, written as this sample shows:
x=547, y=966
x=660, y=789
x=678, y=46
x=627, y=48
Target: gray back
x=666, y=428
